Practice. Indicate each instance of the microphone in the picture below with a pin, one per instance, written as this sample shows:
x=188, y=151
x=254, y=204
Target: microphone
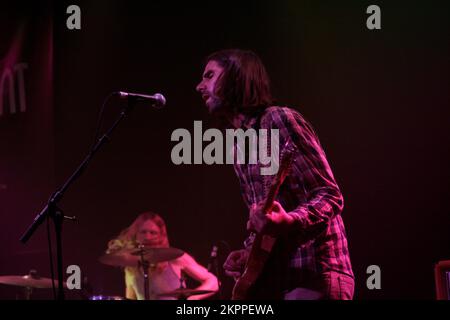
x=157, y=100
x=212, y=256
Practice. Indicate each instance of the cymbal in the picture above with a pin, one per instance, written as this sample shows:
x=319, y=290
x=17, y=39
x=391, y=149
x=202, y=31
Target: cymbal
x=29, y=281
x=184, y=293
x=132, y=257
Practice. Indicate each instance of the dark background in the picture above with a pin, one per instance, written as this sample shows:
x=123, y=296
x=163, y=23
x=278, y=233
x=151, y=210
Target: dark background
x=378, y=100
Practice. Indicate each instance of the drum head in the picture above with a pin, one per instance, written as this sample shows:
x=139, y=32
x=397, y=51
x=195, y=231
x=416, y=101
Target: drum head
x=102, y=297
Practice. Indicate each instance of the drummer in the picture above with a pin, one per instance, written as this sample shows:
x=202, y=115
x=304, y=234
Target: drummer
x=149, y=230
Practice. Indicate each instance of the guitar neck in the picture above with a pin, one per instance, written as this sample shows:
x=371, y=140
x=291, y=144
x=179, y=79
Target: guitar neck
x=286, y=161
x=270, y=198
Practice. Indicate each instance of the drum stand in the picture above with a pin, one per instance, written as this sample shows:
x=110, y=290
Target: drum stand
x=182, y=286
x=145, y=267
x=28, y=292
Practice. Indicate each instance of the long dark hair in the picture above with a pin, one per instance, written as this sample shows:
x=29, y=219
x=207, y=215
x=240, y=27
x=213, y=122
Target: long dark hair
x=244, y=85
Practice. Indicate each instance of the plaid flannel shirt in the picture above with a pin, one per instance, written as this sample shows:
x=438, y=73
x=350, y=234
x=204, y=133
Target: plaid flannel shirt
x=309, y=194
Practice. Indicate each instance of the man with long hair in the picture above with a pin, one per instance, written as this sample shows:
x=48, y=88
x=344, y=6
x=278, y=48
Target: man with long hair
x=149, y=230
x=310, y=259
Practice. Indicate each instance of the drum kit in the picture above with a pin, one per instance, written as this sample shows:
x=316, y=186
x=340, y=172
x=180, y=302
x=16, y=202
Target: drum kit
x=29, y=282
x=143, y=257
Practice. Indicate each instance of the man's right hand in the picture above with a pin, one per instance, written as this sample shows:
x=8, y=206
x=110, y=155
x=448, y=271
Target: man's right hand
x=235, y=263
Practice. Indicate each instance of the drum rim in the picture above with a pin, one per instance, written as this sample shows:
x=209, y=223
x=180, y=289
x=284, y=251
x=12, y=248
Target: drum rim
x=108, y=297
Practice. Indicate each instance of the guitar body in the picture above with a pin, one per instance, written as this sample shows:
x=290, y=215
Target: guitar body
x=261, y=249
x=263, y=244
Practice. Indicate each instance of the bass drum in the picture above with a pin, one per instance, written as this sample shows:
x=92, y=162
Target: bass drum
x=102, y=297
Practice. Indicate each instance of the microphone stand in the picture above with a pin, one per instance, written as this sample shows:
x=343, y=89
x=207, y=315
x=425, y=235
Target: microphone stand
x=52, y=211
x=216, y=267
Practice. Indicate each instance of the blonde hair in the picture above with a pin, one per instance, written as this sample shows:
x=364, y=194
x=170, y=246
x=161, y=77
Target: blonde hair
x=127, y=237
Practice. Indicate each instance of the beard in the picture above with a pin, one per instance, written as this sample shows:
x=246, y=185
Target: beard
x=221, y=114
x=215, y=105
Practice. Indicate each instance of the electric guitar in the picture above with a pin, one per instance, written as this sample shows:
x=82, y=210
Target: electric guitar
x=263, y=244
